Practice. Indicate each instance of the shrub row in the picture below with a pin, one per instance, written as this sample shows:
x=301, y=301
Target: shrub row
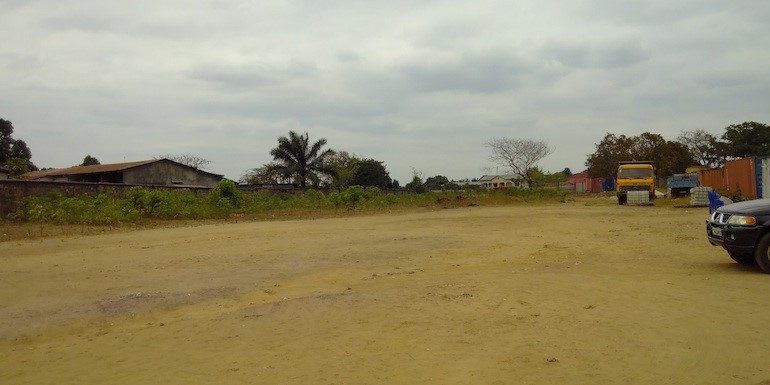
x=224, y=200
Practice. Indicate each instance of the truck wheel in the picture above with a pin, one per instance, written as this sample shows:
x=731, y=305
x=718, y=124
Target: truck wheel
x=621, y=199
x=762, y=253
x=743, y=259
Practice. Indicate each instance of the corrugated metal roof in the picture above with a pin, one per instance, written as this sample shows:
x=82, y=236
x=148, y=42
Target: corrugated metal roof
x=98, y=168
x=93, y=169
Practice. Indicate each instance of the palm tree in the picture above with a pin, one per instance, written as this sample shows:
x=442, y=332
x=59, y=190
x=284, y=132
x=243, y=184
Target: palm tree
x=297, y=160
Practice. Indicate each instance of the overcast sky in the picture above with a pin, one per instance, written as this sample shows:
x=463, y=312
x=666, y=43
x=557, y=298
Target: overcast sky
x=414, y=84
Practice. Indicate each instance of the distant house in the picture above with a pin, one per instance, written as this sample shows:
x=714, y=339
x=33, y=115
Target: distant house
x=491, y=182
x=4, y=173
x=156, y=172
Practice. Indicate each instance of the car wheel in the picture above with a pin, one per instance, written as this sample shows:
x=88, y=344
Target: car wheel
x=743, y=259
x=762, y=253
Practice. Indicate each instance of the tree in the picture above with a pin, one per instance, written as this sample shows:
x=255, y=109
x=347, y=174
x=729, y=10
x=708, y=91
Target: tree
x=267, y=174
x=704, y=147
x=344, y=165
x=567, y=172
x=543, y=179
x=670, y=157
x=370, y=172
x=520, y=156
x=416, y=186
x=439, y=182
x=747, y=139
x=299, y=161
x=17, y=166
x=611, y=150
x=15, y=149
x=90, y=161
x=6, y=140
x=191, y=160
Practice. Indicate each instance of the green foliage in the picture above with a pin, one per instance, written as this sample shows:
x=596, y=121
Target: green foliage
x=439, y=182
x=89, y=161
x=416, y=185
x=142, y=203
x=541, y=179
x=227, y=190
x=355, y=196
x=17, y=166
x=747, y=139
x=370, y=172
x=11, y=149
x=670, y=157
x=298, y=160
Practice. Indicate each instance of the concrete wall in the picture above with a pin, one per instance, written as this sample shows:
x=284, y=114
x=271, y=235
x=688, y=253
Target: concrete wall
x=13, y=191
x=169, y=173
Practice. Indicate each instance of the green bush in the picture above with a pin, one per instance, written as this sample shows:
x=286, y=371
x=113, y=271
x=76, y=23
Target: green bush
x=226, y=189
x=354, y=196
x=142, y=203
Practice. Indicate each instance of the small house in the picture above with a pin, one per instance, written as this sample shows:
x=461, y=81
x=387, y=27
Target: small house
x=491, y=182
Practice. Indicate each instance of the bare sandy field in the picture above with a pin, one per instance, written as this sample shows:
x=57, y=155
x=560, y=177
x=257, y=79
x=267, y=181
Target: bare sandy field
x=577, y=293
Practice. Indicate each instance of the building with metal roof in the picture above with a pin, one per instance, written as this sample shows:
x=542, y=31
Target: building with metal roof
x=155, y=172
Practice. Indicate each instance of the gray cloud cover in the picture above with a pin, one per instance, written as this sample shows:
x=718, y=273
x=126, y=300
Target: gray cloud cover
x=414, y=84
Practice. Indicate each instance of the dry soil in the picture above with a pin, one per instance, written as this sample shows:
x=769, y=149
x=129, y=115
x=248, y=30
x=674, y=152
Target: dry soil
x=547, y=294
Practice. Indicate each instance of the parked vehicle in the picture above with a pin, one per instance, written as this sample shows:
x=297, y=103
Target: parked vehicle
x=680, y=184
x=743, y=230
x=635, y=176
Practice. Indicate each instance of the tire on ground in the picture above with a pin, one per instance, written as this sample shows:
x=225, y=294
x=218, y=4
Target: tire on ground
x=761, y=254
x=743, y=259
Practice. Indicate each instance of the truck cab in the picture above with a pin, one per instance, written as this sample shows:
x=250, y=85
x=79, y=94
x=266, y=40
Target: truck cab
x=635, y=176
x=680, y=184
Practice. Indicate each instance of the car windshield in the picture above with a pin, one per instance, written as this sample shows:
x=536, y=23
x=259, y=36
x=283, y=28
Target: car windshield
x=634, y=173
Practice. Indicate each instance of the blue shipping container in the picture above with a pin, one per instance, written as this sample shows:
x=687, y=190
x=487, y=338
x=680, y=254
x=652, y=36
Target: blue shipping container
x=758, y=175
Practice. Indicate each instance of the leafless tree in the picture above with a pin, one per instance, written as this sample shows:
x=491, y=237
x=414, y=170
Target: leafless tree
x=188, y=159
x=704, y=147
x=267, y=174
x=520, y=156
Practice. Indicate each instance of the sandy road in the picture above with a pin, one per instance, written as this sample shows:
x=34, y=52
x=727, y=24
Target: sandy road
x=567, y=293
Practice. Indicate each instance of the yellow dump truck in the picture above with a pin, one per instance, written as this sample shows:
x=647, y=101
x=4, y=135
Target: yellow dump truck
x=635, y=176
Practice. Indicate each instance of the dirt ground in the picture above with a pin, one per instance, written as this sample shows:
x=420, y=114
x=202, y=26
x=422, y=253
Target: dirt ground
x=577, y=293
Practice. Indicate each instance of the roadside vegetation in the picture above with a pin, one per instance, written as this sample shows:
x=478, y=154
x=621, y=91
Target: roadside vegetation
x=227, y=201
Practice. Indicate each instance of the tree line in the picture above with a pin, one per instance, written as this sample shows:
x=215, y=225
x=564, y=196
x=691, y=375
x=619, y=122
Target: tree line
x=298, y=161
x=691, y=148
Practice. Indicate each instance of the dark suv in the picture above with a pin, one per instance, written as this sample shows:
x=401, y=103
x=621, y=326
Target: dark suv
x=743, y=229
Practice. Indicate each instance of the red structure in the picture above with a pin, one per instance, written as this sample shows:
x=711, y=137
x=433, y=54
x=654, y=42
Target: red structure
x=581, y=183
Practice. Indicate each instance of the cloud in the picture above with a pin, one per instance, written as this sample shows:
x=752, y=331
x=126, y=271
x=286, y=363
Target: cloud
x=606, y=56
x=413, y=84
x=471, y=73
x=252, y=75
